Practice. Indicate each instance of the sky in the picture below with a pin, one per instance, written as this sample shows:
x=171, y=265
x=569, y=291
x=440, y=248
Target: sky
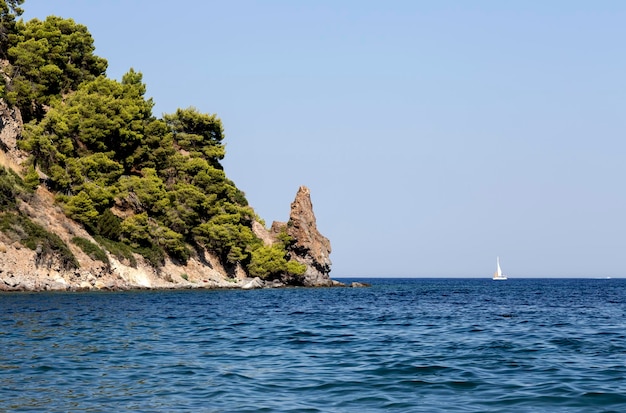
x=433, y=135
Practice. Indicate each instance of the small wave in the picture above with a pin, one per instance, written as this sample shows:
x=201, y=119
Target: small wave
x=322, y=351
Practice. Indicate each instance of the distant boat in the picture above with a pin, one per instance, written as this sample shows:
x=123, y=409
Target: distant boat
x=498, y=274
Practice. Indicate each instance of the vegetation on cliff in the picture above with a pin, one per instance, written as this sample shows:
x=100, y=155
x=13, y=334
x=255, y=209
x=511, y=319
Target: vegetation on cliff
x=154, y=186
x=18, y=227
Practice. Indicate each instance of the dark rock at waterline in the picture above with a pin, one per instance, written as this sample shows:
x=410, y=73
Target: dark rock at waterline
x=359, y=284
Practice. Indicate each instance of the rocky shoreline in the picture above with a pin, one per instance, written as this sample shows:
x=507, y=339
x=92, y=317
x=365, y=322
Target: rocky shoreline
x=25, y=268
x=245, y=284
x=96, y=193
x=22, y=269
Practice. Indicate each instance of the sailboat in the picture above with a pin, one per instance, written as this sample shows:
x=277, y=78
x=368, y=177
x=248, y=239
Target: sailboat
x=498, y=274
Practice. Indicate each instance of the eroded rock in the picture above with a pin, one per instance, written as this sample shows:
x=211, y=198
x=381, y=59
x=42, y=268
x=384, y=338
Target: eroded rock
x=310, y=247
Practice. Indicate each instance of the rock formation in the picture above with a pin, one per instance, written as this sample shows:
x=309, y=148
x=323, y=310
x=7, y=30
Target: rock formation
x=21, y=268
x=309, y=247
x=10, y=130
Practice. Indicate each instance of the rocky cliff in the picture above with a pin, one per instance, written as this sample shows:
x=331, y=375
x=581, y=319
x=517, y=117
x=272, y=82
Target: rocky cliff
x=25, y=268
x=309, y=247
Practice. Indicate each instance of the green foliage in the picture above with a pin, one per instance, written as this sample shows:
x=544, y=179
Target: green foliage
x=99, y=145
x=157, y=148
x=91, y=249
x=136, y=230
x=9, y=10
x=295, y=268
x=269, y=262
x=100, y=195
x=103, y=121
x=118, y=249
x=146, y=237
x=81, y=208
x=172, y=242
x=49, y=58
x=95, y=167
x=198, y=133
x=32, y=235
x=149, y=190
x=11, y=187
x=7, y=194
x=226, y=235
x=35, y=237
x=153, y=254
x=31, y=179
x=266, y=261
x=284, y=238
x=190, y=207
x=108, y=225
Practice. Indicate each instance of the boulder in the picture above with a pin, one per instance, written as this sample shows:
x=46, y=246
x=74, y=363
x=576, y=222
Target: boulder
x=85, y=285
x=255, y=283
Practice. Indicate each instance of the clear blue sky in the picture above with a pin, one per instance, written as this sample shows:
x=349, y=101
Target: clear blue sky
x=434, y=135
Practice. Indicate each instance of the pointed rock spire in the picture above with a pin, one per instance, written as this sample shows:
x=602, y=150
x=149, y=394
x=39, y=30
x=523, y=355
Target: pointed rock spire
x=310, y=247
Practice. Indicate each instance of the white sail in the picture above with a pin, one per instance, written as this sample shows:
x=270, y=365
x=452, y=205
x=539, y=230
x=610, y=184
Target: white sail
x=498, y=274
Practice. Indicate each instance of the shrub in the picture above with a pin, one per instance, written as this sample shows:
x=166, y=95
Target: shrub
x=11, y=188
x=8, y=192
x=153, y=254
x=91, y=249
x=81, y=208
x=268, y=262
x=35, y=237
x=172, y=242
x=118, y=249
x=108, y=225
x=31, y=179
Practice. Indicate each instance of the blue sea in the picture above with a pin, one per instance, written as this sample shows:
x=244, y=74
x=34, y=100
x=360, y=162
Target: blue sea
x=402, y=345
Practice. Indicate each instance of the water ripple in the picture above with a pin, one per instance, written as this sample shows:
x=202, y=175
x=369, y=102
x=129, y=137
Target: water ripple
x=399, y=346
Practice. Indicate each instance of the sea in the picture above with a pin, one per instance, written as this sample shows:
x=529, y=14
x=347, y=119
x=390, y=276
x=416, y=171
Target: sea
x=401, y=345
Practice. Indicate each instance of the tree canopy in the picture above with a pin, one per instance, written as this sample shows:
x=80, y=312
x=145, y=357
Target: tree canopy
x=9, y=10
x=155, y=185
x=48, y=58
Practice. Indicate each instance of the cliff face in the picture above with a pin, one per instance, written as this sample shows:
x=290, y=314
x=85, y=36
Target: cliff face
x=10, y=130
x=24, y=269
